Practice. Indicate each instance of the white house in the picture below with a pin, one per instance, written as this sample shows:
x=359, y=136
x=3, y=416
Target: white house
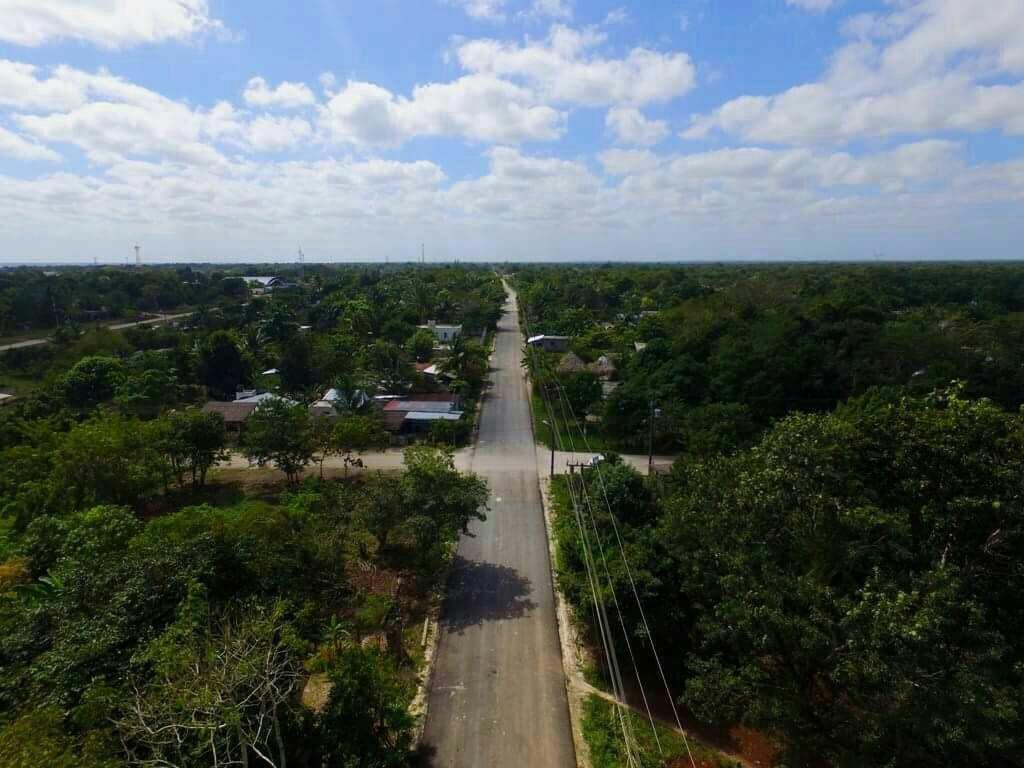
x=445, y=334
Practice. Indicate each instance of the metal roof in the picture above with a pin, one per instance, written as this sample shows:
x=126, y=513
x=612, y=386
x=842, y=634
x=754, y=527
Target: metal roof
x=432, y=416
x=424, y=406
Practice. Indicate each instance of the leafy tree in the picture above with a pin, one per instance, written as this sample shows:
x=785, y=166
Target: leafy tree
x=220, y=692
x=422, y=345
x=367, y=721
x=38, y=738
x=442, y=501
x=193, y=442
x=91, y=381
x=297, y=370
x=356, y=434
x=583, y=391
x=222, y=366
x=852, y=584
x=109, y=459
x=281, y=433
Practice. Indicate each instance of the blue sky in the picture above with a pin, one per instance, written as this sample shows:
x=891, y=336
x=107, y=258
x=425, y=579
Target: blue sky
x=511, y=129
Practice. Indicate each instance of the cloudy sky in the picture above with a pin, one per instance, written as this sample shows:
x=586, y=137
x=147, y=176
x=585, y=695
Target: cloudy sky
x=219, y=130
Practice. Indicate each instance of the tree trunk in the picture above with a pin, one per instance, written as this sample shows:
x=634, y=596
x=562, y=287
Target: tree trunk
x=279, y=740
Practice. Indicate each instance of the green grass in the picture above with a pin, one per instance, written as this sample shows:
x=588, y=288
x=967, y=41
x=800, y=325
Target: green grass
x=20, y=385
x=542, y=431
x=7, y=544
x=603, y=732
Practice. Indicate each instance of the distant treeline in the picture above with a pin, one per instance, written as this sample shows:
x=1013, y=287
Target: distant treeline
x=726, y=350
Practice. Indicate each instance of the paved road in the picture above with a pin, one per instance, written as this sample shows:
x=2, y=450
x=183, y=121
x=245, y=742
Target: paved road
x=115, y=327
x=497, y=698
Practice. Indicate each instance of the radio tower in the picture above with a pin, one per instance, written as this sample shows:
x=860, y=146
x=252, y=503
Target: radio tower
x=302, y=256
x=423, y=253
x=138, y=255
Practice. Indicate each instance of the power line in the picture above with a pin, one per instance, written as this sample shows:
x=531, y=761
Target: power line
x=629, y=571
x=604, y=627
x=591, y=518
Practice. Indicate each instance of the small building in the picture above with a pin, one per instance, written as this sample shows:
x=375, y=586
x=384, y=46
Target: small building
x=433, y=371
x=445, y=334
x=328, y=405
x=416, y=413
x=6, y=399
x=262, y=281
x=603, y=367
x=549, y=343
x=234, y=414
x=571, y=363
x=639, y=346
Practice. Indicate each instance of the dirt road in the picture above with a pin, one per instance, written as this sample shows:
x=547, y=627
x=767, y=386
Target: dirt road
x=497, y=698
x=115, y=327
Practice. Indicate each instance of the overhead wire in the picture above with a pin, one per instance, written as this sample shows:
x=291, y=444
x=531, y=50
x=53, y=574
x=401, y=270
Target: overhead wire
x=600, y=613
x=629, y=574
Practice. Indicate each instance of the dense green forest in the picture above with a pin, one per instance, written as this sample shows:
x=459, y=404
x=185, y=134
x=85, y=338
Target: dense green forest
x=837, y=557
x=152, y=612
x=726, y=350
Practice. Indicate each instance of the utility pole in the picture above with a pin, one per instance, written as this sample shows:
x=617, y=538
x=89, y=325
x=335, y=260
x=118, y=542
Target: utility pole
x=652, y=415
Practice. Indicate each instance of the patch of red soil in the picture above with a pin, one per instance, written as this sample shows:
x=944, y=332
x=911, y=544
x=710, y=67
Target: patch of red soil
x=756, y=748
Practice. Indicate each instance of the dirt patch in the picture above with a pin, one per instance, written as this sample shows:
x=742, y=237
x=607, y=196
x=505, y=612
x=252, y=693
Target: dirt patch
x=756, y=748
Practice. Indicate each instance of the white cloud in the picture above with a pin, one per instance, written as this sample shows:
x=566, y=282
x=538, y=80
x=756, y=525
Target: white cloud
x=275, y=134
x=631, y=127
x=286, y=95
x=106, y=23
x=816, y=6
x=564, y=69
x=13, y=145
x=927, y=67
x=20, y=88
x=616, y=16
x=551, y=9
x=624, y=162
x=485, y=10
x=477, y=107
x=530, y=190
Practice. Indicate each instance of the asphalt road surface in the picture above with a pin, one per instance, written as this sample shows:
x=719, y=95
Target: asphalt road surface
x=497, y=698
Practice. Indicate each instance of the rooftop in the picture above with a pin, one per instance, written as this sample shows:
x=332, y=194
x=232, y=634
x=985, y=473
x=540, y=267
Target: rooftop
x=425, y=406
x=433, y=416
x=233, y=413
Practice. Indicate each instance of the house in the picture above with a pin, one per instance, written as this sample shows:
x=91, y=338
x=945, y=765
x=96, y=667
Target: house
x=433, y=371
x=603, y=367
x=417, y=413
x=327, y=406
x=639, y=346
x=571, y=363
x=445, y=334
x=234, y=414
x=549, y=343
x=237, y=411
x=6, y=399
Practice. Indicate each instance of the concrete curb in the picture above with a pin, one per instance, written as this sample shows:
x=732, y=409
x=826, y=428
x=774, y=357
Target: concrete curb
x=576, y=687
x=419, y=708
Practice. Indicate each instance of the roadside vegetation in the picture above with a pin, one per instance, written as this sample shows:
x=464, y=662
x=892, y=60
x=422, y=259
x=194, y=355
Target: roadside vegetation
x=844, y=582
x=152, y=614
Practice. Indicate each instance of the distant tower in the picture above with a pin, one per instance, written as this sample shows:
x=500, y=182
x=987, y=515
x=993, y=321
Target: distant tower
x=302, y=256
x=423, y=253
x=138, y=255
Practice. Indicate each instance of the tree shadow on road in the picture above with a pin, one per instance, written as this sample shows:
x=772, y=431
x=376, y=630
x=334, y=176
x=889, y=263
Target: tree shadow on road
x=483, y=592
